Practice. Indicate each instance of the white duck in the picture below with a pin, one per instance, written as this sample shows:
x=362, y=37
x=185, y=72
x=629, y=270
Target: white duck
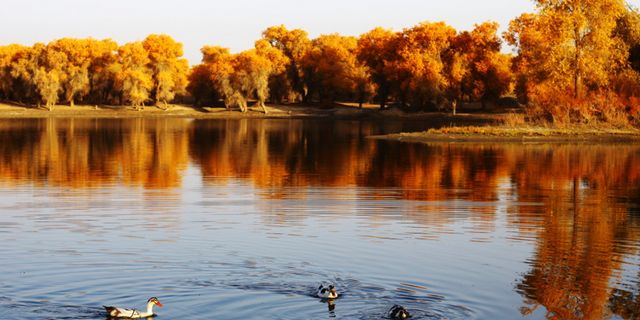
x=327, y=292
x=133, y=313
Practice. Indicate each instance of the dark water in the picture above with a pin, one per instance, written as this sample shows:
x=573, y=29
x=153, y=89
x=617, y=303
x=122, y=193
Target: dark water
x=241, y=219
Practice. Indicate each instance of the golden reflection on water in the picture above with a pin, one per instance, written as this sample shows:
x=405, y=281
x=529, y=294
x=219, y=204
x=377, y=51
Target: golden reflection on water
x=577, y=202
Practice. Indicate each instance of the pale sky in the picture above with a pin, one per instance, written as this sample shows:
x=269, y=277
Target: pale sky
x=235, y=24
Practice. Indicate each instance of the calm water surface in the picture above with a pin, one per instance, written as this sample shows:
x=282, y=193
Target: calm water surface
x=242, y=219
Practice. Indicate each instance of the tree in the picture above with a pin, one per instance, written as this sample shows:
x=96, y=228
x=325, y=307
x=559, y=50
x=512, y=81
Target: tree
x=133, y=77
x=376, y=49
x=330, y=67
x=201, y=85
x=101, y=80
x=478, y=70
x=168, y=68
x=419, y=71
x=293, y=44
x=569, y=44
x=48, y=73
x=74, y=72
x=216, y=62
x=8, y=85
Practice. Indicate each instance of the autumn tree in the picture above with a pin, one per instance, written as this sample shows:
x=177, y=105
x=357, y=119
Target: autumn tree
x=48, y=73
x=201, y=86
x=169, y=69
x=9, y=88
x=250, y=79
x=133, y=77
x=101, y=81
x=213, y=73
x=269, y=64
x=568, y=44
x=74, y=71
x=293, y=44
x=331, y=68
x=237, y=78
x=476, y=69
x=419, y=71
x=377, y=49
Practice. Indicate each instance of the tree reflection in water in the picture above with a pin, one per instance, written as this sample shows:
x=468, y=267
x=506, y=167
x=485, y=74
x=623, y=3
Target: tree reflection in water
x=574, y=200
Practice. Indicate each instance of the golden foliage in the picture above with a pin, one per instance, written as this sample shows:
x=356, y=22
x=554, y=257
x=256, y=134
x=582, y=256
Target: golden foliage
x=168, y=66
x=133, y=77
x=570, y=56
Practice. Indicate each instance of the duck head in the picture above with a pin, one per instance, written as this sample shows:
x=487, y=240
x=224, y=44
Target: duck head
x=399, y=313
x=154, y=300
x=332, y=292
x=327, y=292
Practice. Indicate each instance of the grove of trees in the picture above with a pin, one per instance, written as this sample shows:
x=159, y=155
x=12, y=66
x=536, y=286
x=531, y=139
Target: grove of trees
x=574, y=61
x=93, y=72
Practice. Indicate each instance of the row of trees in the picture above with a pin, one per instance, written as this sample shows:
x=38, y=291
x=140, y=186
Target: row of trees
x=426, y=66
x=576, y=60
x=423, y=67
x=93, y=71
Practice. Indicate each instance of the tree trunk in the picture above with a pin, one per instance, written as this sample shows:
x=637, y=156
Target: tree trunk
x=576, y=69
x=383, y=93
x=264, y=107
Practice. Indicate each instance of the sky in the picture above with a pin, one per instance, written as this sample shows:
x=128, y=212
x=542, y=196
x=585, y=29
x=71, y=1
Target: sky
x=235, y=24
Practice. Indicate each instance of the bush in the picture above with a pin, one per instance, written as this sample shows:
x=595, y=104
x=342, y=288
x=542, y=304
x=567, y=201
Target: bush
x=562, y=109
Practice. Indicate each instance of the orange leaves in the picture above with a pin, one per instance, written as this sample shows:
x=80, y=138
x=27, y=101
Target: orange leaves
x=293, y=44
x=579, y=48
x=331, y=67
x=236, y=78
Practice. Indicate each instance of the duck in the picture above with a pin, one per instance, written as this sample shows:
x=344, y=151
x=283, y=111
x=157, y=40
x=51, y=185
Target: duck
x=116, y=312
x=327, y=291
x=398, y=312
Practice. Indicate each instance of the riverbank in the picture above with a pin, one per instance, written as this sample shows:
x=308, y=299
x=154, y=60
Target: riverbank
x=338, y=111
x=524, y=133
x=463, y=127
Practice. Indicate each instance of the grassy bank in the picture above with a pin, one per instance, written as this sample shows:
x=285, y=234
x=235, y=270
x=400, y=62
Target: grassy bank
x=522, y=133
x=337, y=111
x=178, y=111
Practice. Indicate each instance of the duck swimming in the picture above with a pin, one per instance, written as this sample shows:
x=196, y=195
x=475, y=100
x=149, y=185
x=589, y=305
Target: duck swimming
x=133, y=313
x=398, y=313
x=327, y=292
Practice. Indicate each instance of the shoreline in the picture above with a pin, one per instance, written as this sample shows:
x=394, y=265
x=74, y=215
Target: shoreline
x=460, y=128
x=294, y=111
x=516, y=135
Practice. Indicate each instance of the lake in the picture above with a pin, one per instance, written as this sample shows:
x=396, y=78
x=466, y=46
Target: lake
x=242, y=219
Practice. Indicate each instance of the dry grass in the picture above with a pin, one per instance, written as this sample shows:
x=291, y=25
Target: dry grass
x=531, y=131
x=514, y=120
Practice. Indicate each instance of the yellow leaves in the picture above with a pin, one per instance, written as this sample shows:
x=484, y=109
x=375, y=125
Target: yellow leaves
x=162, y=48
x=331, y=66
x=48, y=84
x=569, y=45
x=279, y=60
x=169, y=69
x=133, y=78
x=293, y=44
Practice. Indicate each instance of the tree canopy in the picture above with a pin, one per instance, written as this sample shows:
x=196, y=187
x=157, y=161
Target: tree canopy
x=575, y=60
